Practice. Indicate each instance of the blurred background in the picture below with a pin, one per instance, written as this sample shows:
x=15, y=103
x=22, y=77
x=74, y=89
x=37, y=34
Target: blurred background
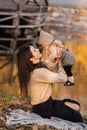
x=65, y=20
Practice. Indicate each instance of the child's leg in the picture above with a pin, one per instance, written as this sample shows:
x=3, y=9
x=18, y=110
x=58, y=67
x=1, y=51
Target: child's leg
x=68, y=70
x=70, y=79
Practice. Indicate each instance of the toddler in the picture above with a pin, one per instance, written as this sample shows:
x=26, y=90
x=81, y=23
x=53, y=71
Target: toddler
x=56, y=50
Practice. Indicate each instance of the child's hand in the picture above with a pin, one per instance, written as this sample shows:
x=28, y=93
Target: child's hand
x=59, y=52
x=47, y=61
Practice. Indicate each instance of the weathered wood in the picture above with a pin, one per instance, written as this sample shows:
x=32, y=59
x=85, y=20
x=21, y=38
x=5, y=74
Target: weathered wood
x=7, y=18
x=17, y=16
x=6, y=39
x=22, y=26
x=7, y=26
x=33, y=14
x=32, y=26
x=18, y=39
x=10, y=5
x=23, y=13
x=8, y=13
x=5, y=53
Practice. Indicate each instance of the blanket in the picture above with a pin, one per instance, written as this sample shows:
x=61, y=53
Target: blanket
x=19, y=116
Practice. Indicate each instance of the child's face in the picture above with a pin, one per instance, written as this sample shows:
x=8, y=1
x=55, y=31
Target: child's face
x=45, y=46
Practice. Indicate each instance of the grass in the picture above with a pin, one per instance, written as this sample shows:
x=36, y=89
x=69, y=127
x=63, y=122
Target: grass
x=7, y=97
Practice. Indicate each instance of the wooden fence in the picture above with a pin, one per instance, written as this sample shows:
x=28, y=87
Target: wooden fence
x=19, y=20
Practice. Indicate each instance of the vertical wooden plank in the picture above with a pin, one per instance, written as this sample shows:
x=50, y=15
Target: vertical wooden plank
x=13, y=44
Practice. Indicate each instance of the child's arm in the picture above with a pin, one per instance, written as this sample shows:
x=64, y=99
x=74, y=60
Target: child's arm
x=52, y=54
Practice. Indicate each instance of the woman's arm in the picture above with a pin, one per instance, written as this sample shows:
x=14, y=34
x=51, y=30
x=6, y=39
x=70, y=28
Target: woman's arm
x=47, y=76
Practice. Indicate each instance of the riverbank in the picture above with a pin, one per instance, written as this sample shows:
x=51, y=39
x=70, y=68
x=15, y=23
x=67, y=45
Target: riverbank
x=9, y=102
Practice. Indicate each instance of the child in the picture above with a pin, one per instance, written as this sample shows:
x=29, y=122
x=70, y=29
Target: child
x=55, y=50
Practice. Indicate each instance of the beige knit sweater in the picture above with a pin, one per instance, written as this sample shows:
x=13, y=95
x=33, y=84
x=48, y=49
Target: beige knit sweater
x=40, y=84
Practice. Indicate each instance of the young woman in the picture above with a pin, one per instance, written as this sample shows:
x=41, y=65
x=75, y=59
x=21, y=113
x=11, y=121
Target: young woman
x=34, y=75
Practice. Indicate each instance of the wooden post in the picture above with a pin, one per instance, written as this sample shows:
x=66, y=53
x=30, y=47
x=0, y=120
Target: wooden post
x=14, y=42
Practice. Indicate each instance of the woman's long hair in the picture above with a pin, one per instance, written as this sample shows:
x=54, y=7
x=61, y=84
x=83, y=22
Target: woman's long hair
x=25, y=67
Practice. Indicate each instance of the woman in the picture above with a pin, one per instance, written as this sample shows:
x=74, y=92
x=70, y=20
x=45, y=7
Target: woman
x=34, y=75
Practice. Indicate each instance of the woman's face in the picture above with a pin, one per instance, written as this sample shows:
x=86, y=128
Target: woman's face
x=35, y=52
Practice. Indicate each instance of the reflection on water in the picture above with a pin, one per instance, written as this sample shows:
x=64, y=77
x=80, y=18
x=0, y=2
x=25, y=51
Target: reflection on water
x=78, y=92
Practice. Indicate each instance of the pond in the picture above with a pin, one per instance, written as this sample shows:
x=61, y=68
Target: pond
x=78, y=92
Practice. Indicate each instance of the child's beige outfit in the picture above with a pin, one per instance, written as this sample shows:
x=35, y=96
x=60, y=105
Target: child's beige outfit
x=55, y=51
